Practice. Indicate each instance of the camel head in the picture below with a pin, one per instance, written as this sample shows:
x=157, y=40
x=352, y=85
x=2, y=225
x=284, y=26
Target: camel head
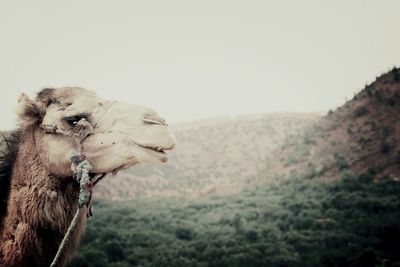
x=111, y=135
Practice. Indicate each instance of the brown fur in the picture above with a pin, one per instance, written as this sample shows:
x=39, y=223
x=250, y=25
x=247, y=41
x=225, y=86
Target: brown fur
x=9, y=145
x=39, y=210
x=39, y=205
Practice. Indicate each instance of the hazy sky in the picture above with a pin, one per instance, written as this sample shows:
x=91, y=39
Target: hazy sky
x=197, y=59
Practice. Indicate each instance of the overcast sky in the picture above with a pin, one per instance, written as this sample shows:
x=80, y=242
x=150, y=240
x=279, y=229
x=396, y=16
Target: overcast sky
x=198, y=59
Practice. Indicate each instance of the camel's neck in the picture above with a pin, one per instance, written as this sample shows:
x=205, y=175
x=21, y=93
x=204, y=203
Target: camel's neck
x=29, y=170
x=39, y=210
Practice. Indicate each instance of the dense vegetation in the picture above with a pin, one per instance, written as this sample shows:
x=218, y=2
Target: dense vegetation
x=300, y=222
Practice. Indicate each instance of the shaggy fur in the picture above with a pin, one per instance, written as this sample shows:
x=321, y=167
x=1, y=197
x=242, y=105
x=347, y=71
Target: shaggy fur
x=36, y=207
x=9, y=145
x=39, y=210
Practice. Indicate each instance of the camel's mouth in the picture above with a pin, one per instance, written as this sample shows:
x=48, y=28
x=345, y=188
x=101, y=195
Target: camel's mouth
x=157, y=151
x=147, y=153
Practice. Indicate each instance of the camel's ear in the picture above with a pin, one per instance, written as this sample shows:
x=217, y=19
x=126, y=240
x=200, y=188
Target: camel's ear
x=28, y=110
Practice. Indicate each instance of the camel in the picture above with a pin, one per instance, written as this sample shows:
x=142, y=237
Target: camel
x=38, y=196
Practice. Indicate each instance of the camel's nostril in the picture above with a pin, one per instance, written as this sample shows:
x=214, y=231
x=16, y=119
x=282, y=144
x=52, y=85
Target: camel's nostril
x=153, y=119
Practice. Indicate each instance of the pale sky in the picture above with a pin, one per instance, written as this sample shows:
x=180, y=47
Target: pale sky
x=198, y=59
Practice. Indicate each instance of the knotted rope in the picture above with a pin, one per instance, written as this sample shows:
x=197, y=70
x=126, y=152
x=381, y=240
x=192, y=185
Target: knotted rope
x=81, y=175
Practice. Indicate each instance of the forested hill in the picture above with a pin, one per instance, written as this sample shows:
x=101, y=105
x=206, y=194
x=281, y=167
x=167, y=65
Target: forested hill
x=362, y=136
x=215, y=156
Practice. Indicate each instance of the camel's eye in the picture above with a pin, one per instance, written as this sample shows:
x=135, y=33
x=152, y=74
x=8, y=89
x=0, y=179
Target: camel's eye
x=73, y=120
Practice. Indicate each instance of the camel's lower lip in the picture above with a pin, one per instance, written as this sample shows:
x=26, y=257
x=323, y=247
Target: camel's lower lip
x=159, y=152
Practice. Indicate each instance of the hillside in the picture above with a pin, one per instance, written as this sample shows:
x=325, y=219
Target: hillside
x=362, y=136
x=215, y=156
x=324, y=192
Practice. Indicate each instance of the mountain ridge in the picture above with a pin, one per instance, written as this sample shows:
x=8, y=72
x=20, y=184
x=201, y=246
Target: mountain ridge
x=361, y=136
